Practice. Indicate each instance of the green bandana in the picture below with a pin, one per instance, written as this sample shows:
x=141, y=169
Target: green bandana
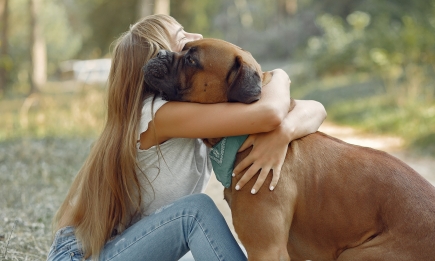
x=222, y=157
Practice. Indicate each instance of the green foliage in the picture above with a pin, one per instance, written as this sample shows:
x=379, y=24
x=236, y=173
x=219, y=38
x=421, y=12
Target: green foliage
x=334, y=51
x=358, y=100
x=106, y=20
x=400, y=52
x=413, y=121
x=63, y=42
x=195, y=15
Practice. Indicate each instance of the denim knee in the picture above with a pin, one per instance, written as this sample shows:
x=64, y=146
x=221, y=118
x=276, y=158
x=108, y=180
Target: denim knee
x=199, y=205
x=202, y=203
x=65, y=246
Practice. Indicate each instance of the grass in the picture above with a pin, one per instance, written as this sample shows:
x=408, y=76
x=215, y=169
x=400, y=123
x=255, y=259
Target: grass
x=414, y=122
x=53, y=113
x=44, y=140
x=35, y=175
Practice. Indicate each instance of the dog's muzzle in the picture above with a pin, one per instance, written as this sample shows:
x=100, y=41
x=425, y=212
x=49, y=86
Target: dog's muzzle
x=158, y=66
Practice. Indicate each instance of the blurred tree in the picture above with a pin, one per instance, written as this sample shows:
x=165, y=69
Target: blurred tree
x=196, y=15
x=341, y=8
x=271, y=30
x=287, y=8
x=244, y=12
x=145, y=7
x=148, y=7
x=162, y=6
x=397, y=47
x=4, y=16
x=38, y=48
x=106, y=20
x=62, y=35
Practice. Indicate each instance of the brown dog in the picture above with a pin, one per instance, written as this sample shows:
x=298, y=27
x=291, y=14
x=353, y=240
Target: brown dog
x=334, y=201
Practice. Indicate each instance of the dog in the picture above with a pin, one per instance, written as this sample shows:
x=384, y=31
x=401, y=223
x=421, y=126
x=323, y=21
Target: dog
x=334, y=200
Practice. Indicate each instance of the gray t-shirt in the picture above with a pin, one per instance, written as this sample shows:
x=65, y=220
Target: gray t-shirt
x=176, y=168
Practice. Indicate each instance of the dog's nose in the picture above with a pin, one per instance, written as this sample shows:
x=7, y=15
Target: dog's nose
x=161, y=54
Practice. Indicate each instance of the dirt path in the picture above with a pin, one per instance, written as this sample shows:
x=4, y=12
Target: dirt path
x=393, y=145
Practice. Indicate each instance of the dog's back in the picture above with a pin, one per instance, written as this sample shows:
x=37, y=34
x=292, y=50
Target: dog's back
x=337, y=201
x=351, y=197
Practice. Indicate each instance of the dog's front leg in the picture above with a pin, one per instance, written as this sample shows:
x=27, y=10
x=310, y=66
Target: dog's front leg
x=263, y=221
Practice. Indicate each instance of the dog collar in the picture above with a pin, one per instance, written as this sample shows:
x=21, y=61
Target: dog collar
x=223, y=156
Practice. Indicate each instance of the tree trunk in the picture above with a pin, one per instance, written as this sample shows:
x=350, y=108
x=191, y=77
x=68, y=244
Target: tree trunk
x=162, y=7
x=38, y=48
x=4, y=14
x=245, y=14
x=146, y=8
x=291, y=6
x=286, y=9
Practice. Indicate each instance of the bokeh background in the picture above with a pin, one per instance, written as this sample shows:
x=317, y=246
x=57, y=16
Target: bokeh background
x=370, y=62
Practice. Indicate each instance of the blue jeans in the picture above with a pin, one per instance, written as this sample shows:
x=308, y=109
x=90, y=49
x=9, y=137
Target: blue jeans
x=190, y=223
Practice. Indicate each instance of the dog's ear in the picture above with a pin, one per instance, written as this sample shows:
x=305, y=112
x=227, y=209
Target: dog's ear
x=246, y=86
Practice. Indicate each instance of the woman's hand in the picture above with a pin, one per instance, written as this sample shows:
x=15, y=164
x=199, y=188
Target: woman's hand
x=268, y=153
x=269, y=149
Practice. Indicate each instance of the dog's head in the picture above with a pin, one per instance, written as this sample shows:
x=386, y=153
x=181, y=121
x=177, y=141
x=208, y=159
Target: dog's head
x=206, y=71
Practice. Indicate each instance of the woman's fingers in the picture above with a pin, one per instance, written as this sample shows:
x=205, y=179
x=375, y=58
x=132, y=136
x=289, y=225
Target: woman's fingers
x=276, y=175
x=247, y=176
x=246, y=162
x=260, y=180
x=268, y=152
x=248, y=143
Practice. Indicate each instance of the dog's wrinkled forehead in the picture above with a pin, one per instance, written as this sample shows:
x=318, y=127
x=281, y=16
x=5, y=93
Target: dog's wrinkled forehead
x=220, y=53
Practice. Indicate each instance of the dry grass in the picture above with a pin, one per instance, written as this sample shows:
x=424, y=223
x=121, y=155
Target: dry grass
x=44, y=139
x=34, y=178
x=54, y=113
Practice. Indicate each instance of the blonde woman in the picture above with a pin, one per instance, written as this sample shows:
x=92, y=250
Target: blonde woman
x=138, y=195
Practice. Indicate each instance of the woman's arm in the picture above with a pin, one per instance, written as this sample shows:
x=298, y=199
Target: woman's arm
x=193, y=120
x=305, y=118
x=269, y=149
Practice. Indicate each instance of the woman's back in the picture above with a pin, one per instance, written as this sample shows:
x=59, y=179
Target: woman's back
x=178, y=167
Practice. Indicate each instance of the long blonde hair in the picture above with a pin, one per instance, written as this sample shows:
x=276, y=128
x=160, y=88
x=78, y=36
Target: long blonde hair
x=105, y=194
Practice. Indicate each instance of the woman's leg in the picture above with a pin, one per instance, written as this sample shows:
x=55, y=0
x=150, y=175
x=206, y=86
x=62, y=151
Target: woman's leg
x=192, y=222
x=65, y=246
x=189, y=257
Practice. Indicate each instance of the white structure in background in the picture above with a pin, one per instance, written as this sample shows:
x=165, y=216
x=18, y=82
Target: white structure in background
x=86, y=71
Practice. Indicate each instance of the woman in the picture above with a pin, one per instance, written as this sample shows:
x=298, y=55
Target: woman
x=137, y=196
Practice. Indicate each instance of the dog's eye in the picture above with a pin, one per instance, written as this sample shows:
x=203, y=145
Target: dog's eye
x=190, y=61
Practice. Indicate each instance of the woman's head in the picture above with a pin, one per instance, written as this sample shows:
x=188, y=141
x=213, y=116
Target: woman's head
x=178, y=37
x=142, y=42
x=132, y=51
